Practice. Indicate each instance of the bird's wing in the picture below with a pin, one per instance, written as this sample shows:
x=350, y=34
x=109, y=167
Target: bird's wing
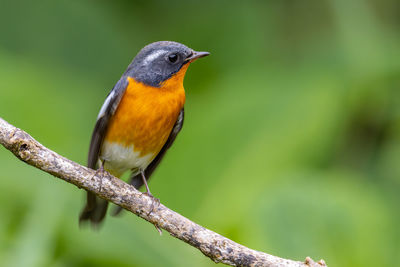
x=177, y=128
x=107, y=110
x=95, y=209
x=136, y=179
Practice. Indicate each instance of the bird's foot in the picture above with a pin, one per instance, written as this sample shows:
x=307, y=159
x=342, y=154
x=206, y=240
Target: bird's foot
x=157, y=201
x=100, y=172
x=154, y=200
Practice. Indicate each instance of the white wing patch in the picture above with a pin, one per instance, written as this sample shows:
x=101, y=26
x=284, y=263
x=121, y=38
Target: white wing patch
x=105, y=104
x=153, y=56
x=119, y=159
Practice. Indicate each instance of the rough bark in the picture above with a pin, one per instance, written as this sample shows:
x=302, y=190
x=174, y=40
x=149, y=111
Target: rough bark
x=106, y=186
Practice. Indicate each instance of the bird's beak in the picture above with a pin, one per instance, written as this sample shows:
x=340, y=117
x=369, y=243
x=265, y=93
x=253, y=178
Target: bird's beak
x=195, y=55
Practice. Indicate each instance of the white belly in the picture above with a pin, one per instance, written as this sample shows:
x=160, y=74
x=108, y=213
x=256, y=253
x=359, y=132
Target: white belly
x=119, y=159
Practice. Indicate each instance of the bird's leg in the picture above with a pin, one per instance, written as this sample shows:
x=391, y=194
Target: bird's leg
x=101, y=170
x=145, y=183
x=149, y=194
x=154, y=199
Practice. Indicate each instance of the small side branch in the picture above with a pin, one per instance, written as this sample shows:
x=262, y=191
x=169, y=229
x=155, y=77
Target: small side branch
x=211, y=244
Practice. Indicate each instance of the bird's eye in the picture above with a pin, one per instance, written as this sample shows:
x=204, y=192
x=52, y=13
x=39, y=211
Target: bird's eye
x=173, y=58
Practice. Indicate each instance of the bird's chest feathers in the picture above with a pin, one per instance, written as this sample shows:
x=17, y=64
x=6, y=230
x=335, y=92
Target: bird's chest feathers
x=145, y=117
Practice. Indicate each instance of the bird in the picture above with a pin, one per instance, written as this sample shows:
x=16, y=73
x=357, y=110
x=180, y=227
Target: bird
x=139, y=120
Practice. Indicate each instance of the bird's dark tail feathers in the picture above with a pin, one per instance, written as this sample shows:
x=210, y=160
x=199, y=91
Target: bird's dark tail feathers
x=94, y=211
x=96, y=208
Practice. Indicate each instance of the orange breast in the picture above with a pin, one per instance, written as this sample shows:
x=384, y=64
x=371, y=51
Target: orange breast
x=146, y=114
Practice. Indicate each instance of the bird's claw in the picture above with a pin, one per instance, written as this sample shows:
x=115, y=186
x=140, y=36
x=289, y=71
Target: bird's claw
x=154, y=199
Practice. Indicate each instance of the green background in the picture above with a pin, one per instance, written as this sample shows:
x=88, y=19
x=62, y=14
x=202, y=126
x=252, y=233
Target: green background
x=291, y=142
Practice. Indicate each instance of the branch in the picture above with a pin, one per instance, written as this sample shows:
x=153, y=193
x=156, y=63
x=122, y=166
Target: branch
x=108, y=187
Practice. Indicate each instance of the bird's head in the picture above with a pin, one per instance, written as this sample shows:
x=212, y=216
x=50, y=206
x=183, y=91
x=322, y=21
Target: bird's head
x=157, y=62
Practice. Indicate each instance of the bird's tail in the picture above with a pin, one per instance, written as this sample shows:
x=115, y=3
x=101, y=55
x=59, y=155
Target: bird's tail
x=94, y=210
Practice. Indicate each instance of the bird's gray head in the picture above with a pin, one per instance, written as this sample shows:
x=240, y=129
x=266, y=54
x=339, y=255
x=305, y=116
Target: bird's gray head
x=159, y=61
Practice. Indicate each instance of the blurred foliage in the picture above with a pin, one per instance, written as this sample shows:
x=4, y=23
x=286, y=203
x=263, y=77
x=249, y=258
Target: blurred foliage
x=291, y=142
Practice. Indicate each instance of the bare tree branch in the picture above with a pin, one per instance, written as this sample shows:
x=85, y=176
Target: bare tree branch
x=106, y=186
